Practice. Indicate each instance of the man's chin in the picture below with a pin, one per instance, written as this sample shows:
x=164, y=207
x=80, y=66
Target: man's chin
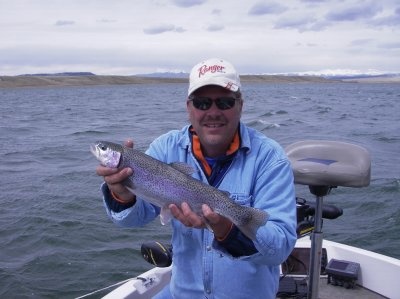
x=218, y=132
x=214, y=140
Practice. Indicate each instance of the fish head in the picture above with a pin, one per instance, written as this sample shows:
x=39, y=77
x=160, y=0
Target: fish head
x=108, y=153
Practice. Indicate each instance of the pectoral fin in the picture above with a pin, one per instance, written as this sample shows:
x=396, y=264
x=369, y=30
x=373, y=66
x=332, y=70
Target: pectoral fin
x=165, y=215
x=129, y=185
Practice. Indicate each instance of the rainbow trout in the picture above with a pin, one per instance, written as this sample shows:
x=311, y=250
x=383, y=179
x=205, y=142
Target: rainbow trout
x=163, y=184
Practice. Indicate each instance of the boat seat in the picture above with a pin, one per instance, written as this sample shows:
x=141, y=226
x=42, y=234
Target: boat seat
x=323, y=165
x=329, y=163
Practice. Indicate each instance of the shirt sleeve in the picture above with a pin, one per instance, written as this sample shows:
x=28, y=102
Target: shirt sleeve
x=237, y=244
x=112, y=204
x=134, y=214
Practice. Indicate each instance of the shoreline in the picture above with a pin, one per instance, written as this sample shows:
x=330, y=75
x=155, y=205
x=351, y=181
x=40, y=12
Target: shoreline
x=92, y=80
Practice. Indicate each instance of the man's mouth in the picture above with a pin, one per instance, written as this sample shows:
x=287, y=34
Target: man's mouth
x=219, y=125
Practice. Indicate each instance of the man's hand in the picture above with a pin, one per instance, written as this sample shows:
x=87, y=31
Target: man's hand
x=219, y=224
x=114, y=178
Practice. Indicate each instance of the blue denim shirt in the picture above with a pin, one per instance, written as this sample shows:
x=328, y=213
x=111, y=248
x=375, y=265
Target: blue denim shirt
x=260, y=176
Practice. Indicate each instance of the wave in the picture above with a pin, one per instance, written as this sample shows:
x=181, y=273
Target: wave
x=271, y=113
x=88, y=132
x=261, y=124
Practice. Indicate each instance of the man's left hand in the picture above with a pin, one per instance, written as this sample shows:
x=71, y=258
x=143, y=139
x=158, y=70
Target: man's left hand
x=219, y=224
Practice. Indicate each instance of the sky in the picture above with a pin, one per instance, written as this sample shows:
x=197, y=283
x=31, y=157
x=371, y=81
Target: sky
x=128, y=37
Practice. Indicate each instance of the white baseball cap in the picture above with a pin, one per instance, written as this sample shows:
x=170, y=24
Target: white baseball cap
x=214, y=71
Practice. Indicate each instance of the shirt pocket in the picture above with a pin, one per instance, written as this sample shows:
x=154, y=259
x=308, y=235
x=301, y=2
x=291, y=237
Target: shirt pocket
x=242, y=199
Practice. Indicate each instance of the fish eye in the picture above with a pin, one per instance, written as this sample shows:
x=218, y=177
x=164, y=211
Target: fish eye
x=102, y=147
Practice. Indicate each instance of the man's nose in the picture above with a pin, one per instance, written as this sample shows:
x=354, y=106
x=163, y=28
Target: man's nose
x=214, y=109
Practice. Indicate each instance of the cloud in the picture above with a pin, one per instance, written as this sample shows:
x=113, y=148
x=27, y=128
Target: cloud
x=64, y=23
x=301, y=23
x=265, y=8
x=313, y=1
x=294, y=35
x=106, y=21
x=215, y=27
x=307, y=45
x=216, y=12
x=390, y=21
x=390, y=45
x=188, y=3
x=158, y=29
x=355, y=12
x=179, y=29
x=361, y=42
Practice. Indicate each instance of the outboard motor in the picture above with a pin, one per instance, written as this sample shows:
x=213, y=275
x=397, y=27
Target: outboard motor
x=156, y=253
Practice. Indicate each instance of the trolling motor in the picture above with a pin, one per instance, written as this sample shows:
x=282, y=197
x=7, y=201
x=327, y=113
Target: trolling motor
x=306, y=215
x=323, y=165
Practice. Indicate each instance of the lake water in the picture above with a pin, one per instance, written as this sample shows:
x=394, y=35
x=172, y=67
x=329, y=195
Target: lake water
x=56, y=240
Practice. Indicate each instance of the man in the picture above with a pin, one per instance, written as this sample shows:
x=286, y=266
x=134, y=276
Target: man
x=222, y=262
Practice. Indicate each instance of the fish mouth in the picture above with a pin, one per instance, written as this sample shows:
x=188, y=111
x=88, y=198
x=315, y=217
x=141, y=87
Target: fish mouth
x=94, y=150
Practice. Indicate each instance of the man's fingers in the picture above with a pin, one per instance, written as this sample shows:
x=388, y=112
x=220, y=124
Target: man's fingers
x=185, y=215
x=128, y=143
x=210, y=215
x=178, y=214
x=191, y=217
x=113, y=175
x=119, y=176
x=174, y=211
x=105, y=171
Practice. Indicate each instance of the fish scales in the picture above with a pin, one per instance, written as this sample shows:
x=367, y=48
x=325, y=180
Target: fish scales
x=164, y=184
x=169, y=184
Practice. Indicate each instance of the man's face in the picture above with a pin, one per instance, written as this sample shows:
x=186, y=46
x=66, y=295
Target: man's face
x=215, y=127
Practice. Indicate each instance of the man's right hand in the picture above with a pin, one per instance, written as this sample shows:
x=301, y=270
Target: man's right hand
x=114, y=178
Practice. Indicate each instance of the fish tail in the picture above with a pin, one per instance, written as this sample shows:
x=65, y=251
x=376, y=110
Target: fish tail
x=252, y=222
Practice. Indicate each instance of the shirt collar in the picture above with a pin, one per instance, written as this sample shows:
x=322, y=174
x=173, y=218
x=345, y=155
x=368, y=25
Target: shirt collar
x=198, y=153
x=185, y=140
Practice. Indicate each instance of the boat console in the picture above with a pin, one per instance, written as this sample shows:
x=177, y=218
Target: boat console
x=323, y=165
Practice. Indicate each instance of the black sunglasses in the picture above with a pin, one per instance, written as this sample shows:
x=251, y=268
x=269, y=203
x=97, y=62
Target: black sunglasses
x=205, y=103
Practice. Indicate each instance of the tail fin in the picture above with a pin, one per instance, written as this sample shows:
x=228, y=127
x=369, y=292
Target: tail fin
x=252, y=221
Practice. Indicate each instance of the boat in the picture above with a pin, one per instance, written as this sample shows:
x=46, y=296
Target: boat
x=316, y=268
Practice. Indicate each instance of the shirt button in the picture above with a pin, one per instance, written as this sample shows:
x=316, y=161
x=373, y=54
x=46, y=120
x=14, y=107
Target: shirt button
x=208, y=291
x=208, y=248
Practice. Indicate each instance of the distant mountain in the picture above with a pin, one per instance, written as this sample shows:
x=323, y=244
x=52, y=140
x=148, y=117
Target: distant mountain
x=362, y=76
x=343, y=74
x=325, y=74
x=86, y=78
x=180, y=75
x=322, y=74
x=62, y=74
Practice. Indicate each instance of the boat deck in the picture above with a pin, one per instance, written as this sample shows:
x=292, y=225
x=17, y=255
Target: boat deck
x=326, y=291
x=329, y=291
